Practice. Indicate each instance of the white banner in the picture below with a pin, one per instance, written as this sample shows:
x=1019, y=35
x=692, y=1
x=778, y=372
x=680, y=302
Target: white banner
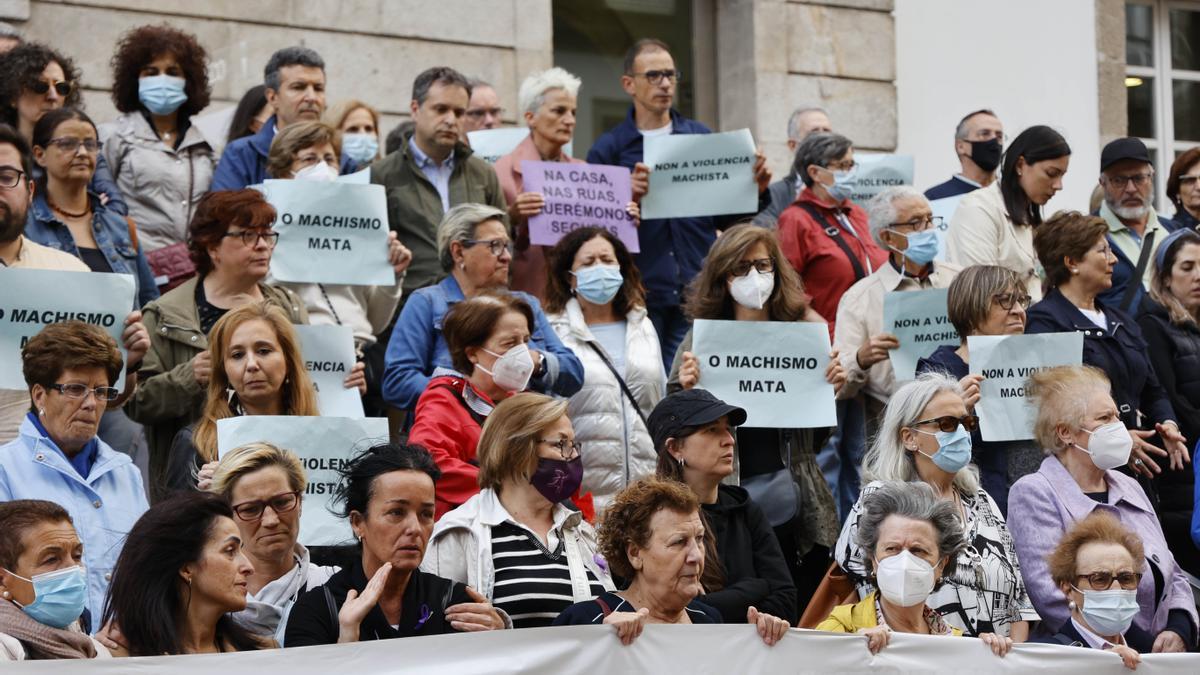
x=665, y=650
x=328, y=353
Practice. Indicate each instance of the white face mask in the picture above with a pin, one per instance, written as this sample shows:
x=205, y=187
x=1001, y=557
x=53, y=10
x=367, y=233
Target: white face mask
x=752, y=290
x=1109, y=446
x=904, y=579
x=318, y=173
x=512, y=369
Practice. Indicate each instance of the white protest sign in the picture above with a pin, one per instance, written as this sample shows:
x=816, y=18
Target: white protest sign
x=773, y=369
x=876, y=173
x=1006, y=412
x=919, y=320
x=362, y=177
x=34, y=298
x=324, y=445
x=329, y=356
x=492, y=144
x=331, y=233
x=695, y=175
x=944, y=209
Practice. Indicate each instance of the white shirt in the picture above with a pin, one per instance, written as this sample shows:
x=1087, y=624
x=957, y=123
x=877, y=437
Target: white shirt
x=1096, y=317
x=661, y=131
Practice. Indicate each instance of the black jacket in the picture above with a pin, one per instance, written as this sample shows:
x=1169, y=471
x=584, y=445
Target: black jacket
x=755, y=571
x=423, y=612
x=594, y=611
x=1137, y=639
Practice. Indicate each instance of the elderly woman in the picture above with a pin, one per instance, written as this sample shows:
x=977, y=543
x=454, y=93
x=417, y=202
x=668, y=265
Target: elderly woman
x=1097, y=564
x=995, y=225
x=35, y=79
x=1079, y=427
x=70, y=368
x=986, y=300
x=693, y=432
x=308, y=151
x=746, y=278
x=915, y=540
x=181, y=574
x=475, y=250
x=161, y=162
x=654, y=536
x=357, y=124
x=1183, y=188
x=65, y=216
x=265, y=486
x=1078, y=259
x=926, y=437
x=516, y=540
x=387, y=495
x=230, y=241
x=43, y=587
x=597, y=306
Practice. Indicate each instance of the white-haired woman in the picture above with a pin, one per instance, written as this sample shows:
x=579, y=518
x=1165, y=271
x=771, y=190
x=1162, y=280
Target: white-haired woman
x=926, y=436
x=548, y=101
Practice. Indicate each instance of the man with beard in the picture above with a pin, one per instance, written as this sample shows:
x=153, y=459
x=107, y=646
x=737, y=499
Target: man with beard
x=1134, y=230
x=979, y=143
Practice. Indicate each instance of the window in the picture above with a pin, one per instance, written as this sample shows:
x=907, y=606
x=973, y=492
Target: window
x=1162, y=80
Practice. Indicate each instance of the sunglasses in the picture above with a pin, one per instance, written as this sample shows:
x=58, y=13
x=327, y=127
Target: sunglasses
x=40, y=87
x=949, y=423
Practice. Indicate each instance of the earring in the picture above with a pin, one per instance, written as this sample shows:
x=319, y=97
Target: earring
x=42, y=412
x=1075, y=271
x=1071, y=605
x=7, y=595
x=682, y=463
x=462, y=265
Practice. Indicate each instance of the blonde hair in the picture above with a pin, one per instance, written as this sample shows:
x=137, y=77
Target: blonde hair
x=335, y=117
x=508, y=444
x=248, y=458
x=1061, y=398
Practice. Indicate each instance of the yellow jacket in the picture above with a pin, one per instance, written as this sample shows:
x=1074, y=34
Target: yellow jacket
x=850, y=618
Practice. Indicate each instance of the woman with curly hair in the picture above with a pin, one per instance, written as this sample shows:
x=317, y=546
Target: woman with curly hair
x=164, y=164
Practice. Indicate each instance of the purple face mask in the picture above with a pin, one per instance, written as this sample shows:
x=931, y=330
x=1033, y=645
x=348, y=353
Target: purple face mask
x=557, y=479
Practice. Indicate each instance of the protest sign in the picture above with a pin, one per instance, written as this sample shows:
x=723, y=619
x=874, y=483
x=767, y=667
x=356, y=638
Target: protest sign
x=919, y=320
x=329, y=356
x=324, y=445
x=944, y=209
x=773, y=369
x=876, y=173
x=700, y=175
x=362, y=177
x=330, y=233
x=492, y=144
x=33, y=298
x=579, y=195
x=1006, y=412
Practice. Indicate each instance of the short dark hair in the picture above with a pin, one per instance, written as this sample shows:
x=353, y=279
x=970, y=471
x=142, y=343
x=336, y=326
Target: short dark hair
x=24, y=63
x=353, y=492
x=1182, y=163
x=252, y=102
x=636, y=49
x=219, y=211
x=1068, y=234
x=20, y=515
x=289, y=56
x=1036, y=144
x=470, y=323
x=69, y=345
x=10, y=136
x=444, y=75
x=45, y=127
x=140, y=46
x=562, y=257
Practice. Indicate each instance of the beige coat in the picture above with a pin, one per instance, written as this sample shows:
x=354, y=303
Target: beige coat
x=981, y=233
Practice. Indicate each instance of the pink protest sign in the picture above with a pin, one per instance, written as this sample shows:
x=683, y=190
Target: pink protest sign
x=579, y=195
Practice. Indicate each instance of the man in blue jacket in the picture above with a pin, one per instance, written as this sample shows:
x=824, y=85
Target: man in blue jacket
x=295, y=82
x=672, y=249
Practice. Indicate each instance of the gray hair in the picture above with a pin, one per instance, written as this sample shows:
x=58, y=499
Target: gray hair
x=819, y=149
x=887, y=459
x=459, y=224
x=882, y=211
x=915, y=501
x=960, y=132
x=289, y=56
x=533, y=90
x=793, y=128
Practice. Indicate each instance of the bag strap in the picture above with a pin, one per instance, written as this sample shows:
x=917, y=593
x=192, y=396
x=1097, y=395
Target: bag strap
x=1136, y=281
x=620, y=381
x=835, y=233
x=604, y=608
x=133, y=238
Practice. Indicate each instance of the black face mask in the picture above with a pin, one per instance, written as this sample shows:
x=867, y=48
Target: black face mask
x=986, y=153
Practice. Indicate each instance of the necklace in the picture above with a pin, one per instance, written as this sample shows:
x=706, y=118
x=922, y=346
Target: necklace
x=67, y=213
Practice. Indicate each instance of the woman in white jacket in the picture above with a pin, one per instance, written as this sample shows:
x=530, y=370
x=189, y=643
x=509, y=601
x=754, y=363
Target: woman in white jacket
x=596, y=304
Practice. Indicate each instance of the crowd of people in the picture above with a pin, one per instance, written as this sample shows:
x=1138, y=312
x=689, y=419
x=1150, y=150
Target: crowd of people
x=555, y=459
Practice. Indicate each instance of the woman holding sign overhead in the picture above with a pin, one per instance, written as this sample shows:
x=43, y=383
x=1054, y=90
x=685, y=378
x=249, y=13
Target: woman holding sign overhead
x=747, y=278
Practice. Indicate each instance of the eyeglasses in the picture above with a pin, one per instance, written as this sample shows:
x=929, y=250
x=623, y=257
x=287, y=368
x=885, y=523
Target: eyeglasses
x=949, y=423
x=10, y=177
x=841, y=166
x=562, y=444
x=1008, y=300
x=40, y=87
x=656, y=76
x=71, y=145
x=1138, y=180
x=1188, y=180
x=252, y=237
x=480, y=113
x=921, y=224
x=77, y=390
x=496, y=246
x=281, y=503
x=1101, y=581
x=763, y=265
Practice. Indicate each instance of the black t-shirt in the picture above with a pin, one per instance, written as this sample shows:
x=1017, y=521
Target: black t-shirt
x=423, y=609
x=209, y=313
x=94, y=259
x=594, y=611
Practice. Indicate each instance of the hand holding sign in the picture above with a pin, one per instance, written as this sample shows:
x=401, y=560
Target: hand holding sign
x=570, y=196
x=919, y=322
x=694, y=175
x=399, y=257
x=876, y=349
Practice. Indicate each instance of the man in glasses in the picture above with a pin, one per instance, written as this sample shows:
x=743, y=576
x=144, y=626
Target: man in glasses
x=804, y=122
x=673, y=249
x=483, y=110
x=1135, y=230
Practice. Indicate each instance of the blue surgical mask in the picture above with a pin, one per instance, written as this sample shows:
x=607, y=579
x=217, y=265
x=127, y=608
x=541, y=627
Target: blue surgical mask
x=954, y=449
x=922, y=246
x=361, y=148
x=1109, y=612
x=58, y=596
x=162, y=94
x=844, y=183
x=598, y=284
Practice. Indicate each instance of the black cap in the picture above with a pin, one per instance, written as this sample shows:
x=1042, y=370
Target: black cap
x=689, y=408
x=1124, y=148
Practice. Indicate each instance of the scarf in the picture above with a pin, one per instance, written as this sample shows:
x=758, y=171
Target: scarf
x=266, y=610
x=42, y=641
